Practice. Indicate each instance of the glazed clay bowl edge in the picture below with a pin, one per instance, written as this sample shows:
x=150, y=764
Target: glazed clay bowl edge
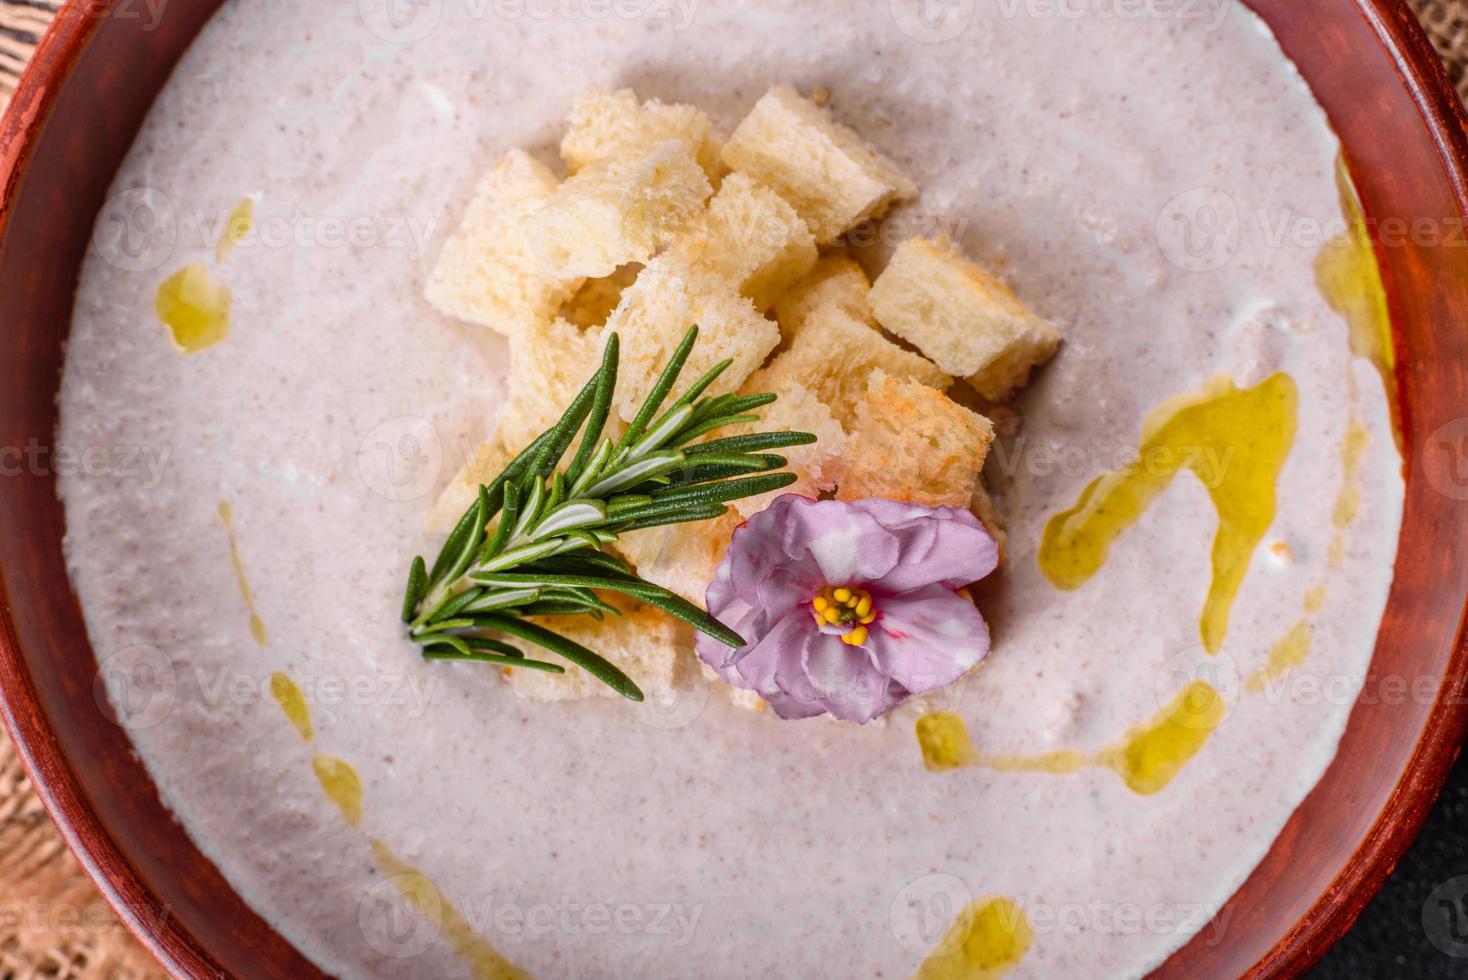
x=73, y=117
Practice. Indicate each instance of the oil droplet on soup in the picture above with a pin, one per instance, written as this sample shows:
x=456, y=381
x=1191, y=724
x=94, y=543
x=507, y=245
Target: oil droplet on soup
x=943, y=738
x=194, y=308
x=482, y=959
x=240, y=223
x=342, y=786
x=257, y=625
x=293, y=703
x=1235, y=441
x=1153, y=754
x=1287, y=653
x=987, y=940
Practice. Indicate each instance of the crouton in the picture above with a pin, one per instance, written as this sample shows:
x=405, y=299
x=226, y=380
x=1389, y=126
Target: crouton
x=836, y=280
x=644, y=643
x=617, y=211
x=822, y=168
x=834, y=355
x=486, y=273
x=682, y=558
x=967, y=321
x=606, y=124
x=913, y=443
x=656, y=312
x=597, y=298
x=987, y=511
x=817, y=466
x=549, y=363
x=752, y=237
x=486, y=462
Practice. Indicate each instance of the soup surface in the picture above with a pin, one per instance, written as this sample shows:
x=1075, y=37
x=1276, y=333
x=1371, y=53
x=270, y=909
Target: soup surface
x=1162, y=185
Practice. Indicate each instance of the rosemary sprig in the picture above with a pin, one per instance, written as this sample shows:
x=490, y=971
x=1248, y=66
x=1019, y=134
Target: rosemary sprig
x=533, y=543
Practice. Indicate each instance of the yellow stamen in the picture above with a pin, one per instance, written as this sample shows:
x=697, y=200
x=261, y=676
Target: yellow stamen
x=819, y=604
x=832, y=614
x=842, y=595
x=868, y=619
x=864, y=607
x=856, y=637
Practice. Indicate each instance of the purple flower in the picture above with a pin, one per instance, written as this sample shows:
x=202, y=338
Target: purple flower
x=849, y=608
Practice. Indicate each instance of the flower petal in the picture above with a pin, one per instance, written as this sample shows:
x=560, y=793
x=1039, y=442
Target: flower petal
x=928, y=639
x=939, y=545
x=847, y=680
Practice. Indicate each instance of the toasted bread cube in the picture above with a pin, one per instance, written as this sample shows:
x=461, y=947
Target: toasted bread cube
x=986, y=510
x=644, y=643
x=913, y=443
x=486, y=273
x=835, y=281
x=822, y=168
x=753, y=238
x=817, y=466
x=682, y=558
x=655, y=314
x=597, y=298
x=606, y=124
x=834, y=355
x=549, y=363
x=618, y=211
x=486, y=462
x=967, y=321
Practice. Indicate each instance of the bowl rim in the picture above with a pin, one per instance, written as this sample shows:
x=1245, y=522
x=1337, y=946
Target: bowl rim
x=1394, y=828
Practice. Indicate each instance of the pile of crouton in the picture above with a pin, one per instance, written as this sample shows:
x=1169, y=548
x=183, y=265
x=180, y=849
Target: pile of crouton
x=659, y=226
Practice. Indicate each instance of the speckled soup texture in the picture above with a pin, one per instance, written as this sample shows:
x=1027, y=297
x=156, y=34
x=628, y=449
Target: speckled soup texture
x=600, y=839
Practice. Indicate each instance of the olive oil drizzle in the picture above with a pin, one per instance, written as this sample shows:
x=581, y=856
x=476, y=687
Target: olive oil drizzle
x=1147, y=758
x=1236, y=441
x=257, y=625
x=988, y=939
x=343, y=787
x=194, y=308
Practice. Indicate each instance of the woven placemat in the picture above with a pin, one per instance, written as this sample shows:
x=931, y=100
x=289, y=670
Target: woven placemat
x=53, y=924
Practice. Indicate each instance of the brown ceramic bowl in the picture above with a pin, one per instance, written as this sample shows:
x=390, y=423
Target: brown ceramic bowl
x=75, y=114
